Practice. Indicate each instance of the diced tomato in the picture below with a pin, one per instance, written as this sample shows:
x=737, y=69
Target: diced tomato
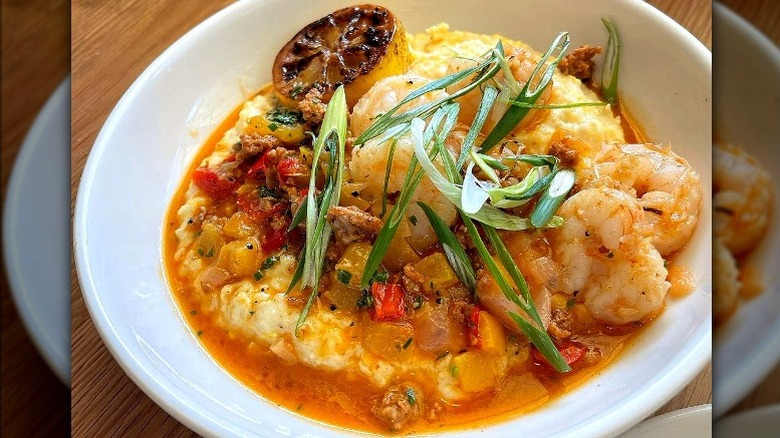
x=274, y=240
x=259, y=208
x=290, y=165
x=570, y=351
x=388, y=301
x=475, y=340
x=260, y=166
x=210, y=182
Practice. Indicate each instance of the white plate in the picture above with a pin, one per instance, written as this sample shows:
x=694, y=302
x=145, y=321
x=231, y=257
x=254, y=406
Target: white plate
x=756, y=423
x=36, y=237
x=693, y=422
x=146, y=144
x=746, y=112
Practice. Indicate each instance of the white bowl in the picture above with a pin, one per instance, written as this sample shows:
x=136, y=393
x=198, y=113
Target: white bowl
x=757, y=423
x=747, y=103
x=36, y=232
x=692, y=422
x=141, y=153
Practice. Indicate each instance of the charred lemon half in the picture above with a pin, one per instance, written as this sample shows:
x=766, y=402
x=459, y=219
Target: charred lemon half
x=354, y=47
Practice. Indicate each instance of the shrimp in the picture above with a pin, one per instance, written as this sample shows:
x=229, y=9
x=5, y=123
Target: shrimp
x=385, y=95
x=668, y=188
x=607, y=257
x=726, y=280
x=521, y=64
x=743, y=198
x=368, y=163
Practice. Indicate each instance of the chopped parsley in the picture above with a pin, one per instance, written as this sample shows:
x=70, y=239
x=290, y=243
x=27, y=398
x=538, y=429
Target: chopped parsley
x=410, y=396
x=381, y=277
x=210, y=253
x=443, y=355
x=269, y=262
x=200, y=332
x=454, y=371
x=407, y=343
x=273, y=127
x=265, y=192
x=343, y=276
x=258, y=275
x=193, y=312
x=366, y=299
x=284, y=116
x=413, y=219
x=571, y=303
x=296, y=91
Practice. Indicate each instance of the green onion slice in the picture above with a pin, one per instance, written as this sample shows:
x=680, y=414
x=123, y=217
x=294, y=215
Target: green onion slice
x=553, y=197
x=453, y=250
x=333, y=134
x=539, y=80
x=609, y=72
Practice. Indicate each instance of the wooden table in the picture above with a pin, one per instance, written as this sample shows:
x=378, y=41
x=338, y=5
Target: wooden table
x=112, y=43
x=34, y=401
x=765, y=15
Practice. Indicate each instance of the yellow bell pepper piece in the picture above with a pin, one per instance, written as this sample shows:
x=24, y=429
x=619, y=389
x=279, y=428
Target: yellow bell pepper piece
x=491, y=331
x=474, y=371
x=437, y=271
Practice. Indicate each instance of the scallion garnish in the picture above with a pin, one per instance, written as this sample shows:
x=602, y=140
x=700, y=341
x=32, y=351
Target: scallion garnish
x=487, y=214
x=484, y=71
x=473, y=195
x=299, y=216
x=488, y=98
x=539, y=80
x=453, y=250
x=609, y=72
x=552, y=198
x=557, y=106
x=333, y=134
x=535, y=332
x=411, y=181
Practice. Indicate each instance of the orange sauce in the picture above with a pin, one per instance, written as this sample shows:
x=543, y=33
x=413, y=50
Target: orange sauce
x=343, y=398
x=681, y=280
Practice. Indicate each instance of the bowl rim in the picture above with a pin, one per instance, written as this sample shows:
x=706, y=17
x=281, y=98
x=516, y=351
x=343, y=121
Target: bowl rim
x=27, y=301
x=756, y=367
x=612, y=423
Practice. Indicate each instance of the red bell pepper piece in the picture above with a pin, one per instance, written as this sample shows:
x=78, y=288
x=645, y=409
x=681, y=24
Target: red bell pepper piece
x=290, y=165
x=214, y=185
x=260, y=166
x=475, y=340
x=274, y=240
x=388, y=302
x=570, y=351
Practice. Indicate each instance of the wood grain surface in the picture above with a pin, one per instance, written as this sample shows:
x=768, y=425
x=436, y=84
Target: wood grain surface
x=765, y=15
x=34, y=62
x=112, y=43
